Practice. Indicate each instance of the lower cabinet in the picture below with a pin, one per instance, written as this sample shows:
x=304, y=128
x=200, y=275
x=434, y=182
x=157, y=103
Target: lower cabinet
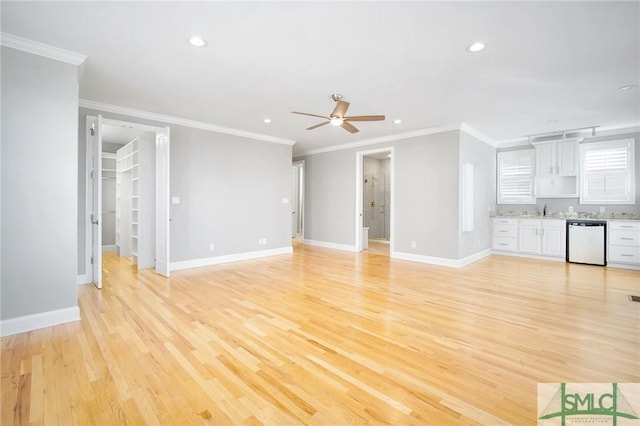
x=624, y=243
x=545, y=237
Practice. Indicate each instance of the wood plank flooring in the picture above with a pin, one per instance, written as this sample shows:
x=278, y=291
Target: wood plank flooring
x=325, y=337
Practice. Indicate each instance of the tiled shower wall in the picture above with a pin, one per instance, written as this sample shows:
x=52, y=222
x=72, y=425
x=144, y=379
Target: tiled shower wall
x=377, y=198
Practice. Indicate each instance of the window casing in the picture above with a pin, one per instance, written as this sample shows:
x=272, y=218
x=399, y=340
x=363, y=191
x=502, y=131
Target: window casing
x=607, y=172
x=515, y=177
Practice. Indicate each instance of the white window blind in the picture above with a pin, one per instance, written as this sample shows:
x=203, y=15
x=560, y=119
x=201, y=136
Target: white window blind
x=608, y=174
x=515, y=177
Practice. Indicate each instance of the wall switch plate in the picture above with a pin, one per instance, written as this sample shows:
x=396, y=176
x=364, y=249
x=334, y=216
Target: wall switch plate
x=286, y=201
x=601, y=209
x=175, y=200
x=212, y=246
x=413, y=244
x=571, y=209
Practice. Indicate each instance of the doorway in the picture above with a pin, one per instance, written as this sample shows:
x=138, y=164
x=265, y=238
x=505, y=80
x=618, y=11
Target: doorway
x=374, y=198
x=297, y=201
x=113, y=197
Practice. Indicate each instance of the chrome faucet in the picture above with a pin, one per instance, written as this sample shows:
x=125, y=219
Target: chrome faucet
x=544, y=210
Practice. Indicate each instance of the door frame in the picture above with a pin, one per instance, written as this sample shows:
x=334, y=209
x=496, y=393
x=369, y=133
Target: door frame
x=165, y=131
x=359, y=215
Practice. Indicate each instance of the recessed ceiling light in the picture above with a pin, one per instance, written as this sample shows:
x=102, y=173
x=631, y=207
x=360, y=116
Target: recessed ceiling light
x=196, y=41
x=397, y=121
x=267, y=120
x=476, y=47
x=631, y=86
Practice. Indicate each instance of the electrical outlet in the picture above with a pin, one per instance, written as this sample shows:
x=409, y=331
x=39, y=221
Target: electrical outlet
x=413, y=244
x=601, y=209
x=570, y=209
x=212, y=247
x=262, y=241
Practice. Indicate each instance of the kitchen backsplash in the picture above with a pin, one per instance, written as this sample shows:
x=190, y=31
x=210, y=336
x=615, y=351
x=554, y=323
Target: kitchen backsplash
x=556, y=205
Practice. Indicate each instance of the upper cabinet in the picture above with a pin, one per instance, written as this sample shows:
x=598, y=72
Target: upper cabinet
x=557, y=164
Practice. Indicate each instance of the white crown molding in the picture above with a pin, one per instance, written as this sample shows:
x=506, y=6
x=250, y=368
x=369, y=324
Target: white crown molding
x=382, y=139
x=41, y=49
x=464, y=127
x=85, y=103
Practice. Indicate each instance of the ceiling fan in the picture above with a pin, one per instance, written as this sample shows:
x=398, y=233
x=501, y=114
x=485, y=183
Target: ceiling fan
x=338, y=117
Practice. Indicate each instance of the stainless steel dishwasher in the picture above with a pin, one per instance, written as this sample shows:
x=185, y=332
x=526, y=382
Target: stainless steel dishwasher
x=586, y=242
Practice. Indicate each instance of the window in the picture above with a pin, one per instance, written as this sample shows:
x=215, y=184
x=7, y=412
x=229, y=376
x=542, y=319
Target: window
x=608, y=175
x=515, y=177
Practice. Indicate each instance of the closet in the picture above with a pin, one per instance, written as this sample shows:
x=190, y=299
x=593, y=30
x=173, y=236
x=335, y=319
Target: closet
x=135, y=201
x=108, y=160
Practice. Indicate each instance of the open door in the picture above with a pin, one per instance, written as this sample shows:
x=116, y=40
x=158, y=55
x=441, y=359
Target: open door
x=94, y=124
x=162, y=203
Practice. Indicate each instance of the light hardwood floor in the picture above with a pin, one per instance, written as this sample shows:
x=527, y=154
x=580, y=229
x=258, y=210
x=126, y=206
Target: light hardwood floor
x=325, y=337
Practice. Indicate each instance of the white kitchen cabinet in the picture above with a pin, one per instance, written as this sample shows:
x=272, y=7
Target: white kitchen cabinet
x=505, y=234
x=529, y=234
x=554, y=238
x=545, y=237
x=624, y=243
x=557, y=165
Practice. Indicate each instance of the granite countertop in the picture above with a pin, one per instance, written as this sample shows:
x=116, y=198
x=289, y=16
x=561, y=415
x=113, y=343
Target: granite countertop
x=569, y=215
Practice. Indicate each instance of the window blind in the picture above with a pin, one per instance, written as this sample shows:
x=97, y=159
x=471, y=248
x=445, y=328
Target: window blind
x=515, y=177
x=607, y=172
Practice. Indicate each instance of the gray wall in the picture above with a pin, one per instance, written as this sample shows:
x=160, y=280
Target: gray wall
x=426, y=197
x=231, y=192
x=483, y=158
x=39, y=184
x=330, y=197
x=230, y=188
x=562, y=204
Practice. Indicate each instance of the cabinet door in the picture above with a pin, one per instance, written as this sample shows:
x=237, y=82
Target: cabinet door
x=553, y=241
x=529, y=239
x=567, y=160
x=545, y=159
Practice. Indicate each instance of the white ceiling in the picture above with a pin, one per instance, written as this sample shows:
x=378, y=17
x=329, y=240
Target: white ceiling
x=544, y=61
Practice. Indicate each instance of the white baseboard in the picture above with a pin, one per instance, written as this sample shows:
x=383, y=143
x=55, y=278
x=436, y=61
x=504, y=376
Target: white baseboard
x=111, y=247
x=36, y=321
x=623, y=266
x=335, y=246
x=529, y=256
x=196, y=263
x=83, y=279
x=441, y=261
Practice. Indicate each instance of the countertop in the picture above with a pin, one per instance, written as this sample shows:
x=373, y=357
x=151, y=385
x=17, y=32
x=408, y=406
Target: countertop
x=565, y=216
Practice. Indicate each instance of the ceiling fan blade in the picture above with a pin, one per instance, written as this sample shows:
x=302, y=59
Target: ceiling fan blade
x=340, y=109
x=310, y=115
x=349, y=127
x=366, y=118
x=317, y=125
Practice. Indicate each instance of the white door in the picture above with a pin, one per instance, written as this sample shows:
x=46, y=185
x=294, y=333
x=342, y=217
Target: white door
x=295, y=200
x=162, y=203
x=96, y=210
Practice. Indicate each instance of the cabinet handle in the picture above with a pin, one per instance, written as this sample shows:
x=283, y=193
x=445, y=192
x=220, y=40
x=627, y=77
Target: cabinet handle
x=626, y=226
x=502, y=230
x=551, y=169
x=557, y=170
x=504, y=244
x=626, y=255
x=628, y=239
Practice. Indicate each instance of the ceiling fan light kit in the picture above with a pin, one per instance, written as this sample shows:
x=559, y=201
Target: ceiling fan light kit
x=338, y=117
